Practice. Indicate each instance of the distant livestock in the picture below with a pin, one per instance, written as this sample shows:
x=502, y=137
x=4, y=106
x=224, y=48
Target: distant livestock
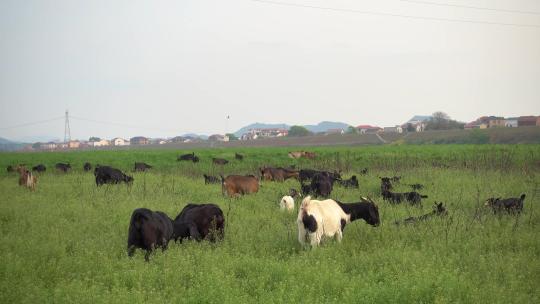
x=308, y=174
x=318, y=219
x=188, y=157
x=148, y=230
x=26, y=178
x=510, y=205
x=63, y=167
x=141, y=167
x=413, y=197
x=286, y=203
x=39, y=168
x=238, y=156
x=219, y=161
x=236, y=185
x=438, y=210
x=300, y=154
x=87, y=167
x=109, y=175
x=208, y=179
x=198, y=222
x=321, y=185
x=277, y=174
x=350, y=183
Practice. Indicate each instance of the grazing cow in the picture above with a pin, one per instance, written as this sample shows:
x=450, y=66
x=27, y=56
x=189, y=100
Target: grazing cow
x=318, y=219
x=26, y=178
x=141, y=167
x=199, y=222
x=63, y=167
x=510, y=205
x=219, y=161
x=208, y=179
x=10, y=169
x=286, y=203
x=87, y=167
x=238, y=156
x=416, y=186
x=39, y=168
x=438, y=210
x=236, y=185
x=349, y=183
x=148, y=230
x=277, y=174
x=364, y=171
x=109, y=175
x=189, y=157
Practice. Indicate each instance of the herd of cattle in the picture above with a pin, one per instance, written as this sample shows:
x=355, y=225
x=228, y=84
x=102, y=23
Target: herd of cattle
x=317, y=219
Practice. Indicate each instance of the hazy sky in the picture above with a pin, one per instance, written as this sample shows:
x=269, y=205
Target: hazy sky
x=171, y=67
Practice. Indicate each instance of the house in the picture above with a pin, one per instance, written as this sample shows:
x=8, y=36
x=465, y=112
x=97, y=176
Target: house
x=139, y=140
x=396, y=129
x=494, y=121
x=417, y=123
x=334, y=131
x=118, y=141
x=99, y=143
x=62, y=146
x=268, y=132
x=527, y=121
x=178, y=139
x=74, y=144
x=511, y=122
x=218, y=137
x=368, y=129
x=47, y=146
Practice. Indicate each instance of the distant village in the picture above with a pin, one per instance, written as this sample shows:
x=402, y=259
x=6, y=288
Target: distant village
x=417, y=123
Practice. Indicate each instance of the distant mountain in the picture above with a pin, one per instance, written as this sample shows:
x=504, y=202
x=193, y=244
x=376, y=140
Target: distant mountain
x=8, y=145
x=326, y=125
x=201, y=136
x=37, y=138
x=320, y=127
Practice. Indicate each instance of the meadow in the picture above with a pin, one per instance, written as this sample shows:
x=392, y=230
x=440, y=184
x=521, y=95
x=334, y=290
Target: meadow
x=66, y=242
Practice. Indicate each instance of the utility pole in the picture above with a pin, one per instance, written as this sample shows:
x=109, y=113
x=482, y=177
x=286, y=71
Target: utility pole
x=67, y=131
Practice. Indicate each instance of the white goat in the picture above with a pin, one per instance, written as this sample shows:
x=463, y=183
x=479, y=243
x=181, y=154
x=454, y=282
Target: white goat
x=286, y=203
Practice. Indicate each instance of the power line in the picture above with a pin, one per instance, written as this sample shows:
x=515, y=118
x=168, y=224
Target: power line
x=120, y=124
x=393, y=15
x=471, y=7
x=32, y=123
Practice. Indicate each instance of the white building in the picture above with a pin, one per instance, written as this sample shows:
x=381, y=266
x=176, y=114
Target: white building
x=119, y=142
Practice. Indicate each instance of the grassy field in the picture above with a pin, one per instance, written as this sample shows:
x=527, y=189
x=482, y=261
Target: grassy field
x=66, y=242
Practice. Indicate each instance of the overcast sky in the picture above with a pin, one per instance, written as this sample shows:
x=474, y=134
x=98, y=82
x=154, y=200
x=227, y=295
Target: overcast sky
x=172, y=67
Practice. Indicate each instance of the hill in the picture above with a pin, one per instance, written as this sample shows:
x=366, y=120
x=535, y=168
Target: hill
x=320, y=127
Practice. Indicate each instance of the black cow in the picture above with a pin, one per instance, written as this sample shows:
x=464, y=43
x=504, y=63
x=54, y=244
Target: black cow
x=109, y=175
x=208, y=179
x=414, y=198
x=141, y=167
x=63, y=167
x=219, y=161
x=148, y=230
x=189, y=157
x=322, y=184
x=87, y=166
x=510, y=205
x=308, y=174
x=39, y=168
x=199, y=222
x=350, y=183
x=238, y=156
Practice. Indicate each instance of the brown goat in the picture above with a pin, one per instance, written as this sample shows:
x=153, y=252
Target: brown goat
x=236, y=185
x=26, y=178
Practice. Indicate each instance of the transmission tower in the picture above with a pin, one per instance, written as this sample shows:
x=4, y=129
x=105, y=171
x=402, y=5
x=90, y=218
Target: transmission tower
x=67, y=132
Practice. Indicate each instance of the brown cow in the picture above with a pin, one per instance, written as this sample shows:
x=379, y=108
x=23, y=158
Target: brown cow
x=277, y=174
x=26, y=178
x=236, y=185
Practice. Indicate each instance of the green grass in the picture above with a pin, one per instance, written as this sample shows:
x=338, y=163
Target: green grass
x=66, y=242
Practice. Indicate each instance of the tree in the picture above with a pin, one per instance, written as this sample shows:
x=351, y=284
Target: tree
x=442, y=121
x=231, y=136
x=298, y=131
x=352, y=130
x=93, y=138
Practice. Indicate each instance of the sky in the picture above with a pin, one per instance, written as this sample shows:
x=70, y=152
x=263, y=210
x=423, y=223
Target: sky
x=165, y=68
